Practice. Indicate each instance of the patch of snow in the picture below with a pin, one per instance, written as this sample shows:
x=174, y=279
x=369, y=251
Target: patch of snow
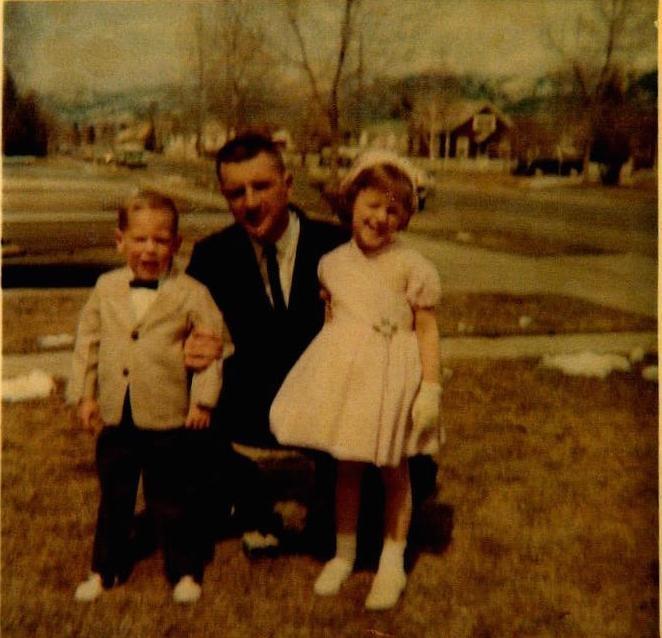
x=35, y=385
x=62, y=340
x=650, y=373
x=587, y=364
x=525, y=321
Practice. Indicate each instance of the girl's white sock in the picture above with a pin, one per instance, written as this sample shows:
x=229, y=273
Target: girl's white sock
x=338, y=569
x=346, y=547
x=390, y=580
x=393, y=555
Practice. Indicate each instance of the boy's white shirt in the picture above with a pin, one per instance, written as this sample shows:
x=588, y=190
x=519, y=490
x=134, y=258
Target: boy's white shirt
x=105, y=348
x=141, y=300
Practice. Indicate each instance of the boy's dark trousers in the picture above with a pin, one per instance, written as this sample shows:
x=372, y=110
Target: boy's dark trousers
x=169, y=462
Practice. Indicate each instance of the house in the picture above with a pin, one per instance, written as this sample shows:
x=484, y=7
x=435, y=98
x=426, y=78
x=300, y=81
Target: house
x=387, y=134
x=463, y=130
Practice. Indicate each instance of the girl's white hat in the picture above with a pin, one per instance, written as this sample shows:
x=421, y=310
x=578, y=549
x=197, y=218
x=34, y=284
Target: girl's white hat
x=379, y=157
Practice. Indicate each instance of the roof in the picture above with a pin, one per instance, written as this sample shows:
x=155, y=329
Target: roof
x=458, y=113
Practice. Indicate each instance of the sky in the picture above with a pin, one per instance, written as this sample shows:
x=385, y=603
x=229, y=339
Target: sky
x=67, y=47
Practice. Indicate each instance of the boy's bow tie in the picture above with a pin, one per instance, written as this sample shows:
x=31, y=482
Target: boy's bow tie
x=152, y=284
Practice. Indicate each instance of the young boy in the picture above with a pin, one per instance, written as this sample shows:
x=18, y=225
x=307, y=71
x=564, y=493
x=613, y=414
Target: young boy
x=129, y=381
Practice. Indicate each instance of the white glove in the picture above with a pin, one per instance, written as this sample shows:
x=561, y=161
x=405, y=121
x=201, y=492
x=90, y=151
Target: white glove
x=425, y=412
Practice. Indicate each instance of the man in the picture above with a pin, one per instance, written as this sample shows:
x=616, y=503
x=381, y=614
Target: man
x=262, y=273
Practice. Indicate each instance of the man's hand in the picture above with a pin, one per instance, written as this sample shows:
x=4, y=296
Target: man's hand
x=89, y=415
x=201, y=348
x=198, y=417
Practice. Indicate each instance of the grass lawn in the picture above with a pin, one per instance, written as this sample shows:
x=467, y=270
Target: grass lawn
x=552, y=485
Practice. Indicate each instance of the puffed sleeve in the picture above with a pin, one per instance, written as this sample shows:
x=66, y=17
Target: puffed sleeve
x=423, y=285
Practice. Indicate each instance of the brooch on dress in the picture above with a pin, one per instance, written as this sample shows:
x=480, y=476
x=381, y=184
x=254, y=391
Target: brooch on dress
x=385, y=327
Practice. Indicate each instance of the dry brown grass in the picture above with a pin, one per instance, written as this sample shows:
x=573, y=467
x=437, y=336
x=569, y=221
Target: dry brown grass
x=552, y=481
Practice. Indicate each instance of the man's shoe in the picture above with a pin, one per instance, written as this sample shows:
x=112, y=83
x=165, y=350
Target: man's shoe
x=258, y=545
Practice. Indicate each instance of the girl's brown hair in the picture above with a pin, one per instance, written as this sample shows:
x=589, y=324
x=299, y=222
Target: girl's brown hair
x=384, y=177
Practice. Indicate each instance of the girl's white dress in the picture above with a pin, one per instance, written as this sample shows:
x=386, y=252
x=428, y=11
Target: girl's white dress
x=352, y=390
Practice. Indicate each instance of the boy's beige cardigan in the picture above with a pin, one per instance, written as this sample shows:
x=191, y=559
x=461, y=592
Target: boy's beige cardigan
x=114, y=351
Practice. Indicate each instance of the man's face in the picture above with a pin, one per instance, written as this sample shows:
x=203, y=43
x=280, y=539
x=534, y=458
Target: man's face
x=258, y=194
x=148, y=243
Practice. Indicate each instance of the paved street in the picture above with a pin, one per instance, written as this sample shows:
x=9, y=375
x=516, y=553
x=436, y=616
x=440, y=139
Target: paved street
x=66, y=211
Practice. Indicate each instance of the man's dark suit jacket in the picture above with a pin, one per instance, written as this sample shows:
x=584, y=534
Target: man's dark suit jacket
x=265, y=348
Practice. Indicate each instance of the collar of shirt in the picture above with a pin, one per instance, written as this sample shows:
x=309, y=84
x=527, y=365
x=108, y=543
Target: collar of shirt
x=286, y=249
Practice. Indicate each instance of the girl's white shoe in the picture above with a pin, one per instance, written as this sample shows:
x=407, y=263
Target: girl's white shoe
x=186, y=590
x=332, y=576
x=386, y=588
x=89, y=589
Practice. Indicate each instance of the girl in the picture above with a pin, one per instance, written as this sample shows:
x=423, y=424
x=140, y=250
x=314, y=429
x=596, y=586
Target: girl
x=367, y=389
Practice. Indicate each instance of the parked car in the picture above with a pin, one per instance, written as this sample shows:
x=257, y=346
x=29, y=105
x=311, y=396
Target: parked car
x=131, y=159
x=549, y=166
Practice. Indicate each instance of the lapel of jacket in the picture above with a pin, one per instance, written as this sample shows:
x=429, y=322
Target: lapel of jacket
x=121, y=298
x=301, y=260
x=248, y=273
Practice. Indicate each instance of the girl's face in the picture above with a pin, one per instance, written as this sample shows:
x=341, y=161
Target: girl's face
x=376, y=218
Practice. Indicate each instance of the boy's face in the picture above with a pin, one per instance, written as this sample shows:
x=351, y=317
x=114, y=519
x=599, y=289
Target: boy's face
x=258, y=195
x=148, y=243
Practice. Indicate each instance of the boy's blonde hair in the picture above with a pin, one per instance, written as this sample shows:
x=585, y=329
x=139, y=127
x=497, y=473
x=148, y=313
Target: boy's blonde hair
x=147, y=200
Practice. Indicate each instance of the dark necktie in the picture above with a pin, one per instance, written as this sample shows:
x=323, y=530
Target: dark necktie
x=152, y=284
x=273, y=273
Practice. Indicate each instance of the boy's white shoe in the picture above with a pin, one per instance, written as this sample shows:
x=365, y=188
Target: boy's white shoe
x=89, y=589
x=332, y=576
x=186, y=590
x=386, y=588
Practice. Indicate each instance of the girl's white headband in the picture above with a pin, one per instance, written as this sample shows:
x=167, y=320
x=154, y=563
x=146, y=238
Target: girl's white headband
x=378, y=157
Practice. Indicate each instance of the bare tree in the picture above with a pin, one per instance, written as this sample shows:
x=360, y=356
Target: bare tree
x=594, y=52
x=325, y=97
x=228, y=60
